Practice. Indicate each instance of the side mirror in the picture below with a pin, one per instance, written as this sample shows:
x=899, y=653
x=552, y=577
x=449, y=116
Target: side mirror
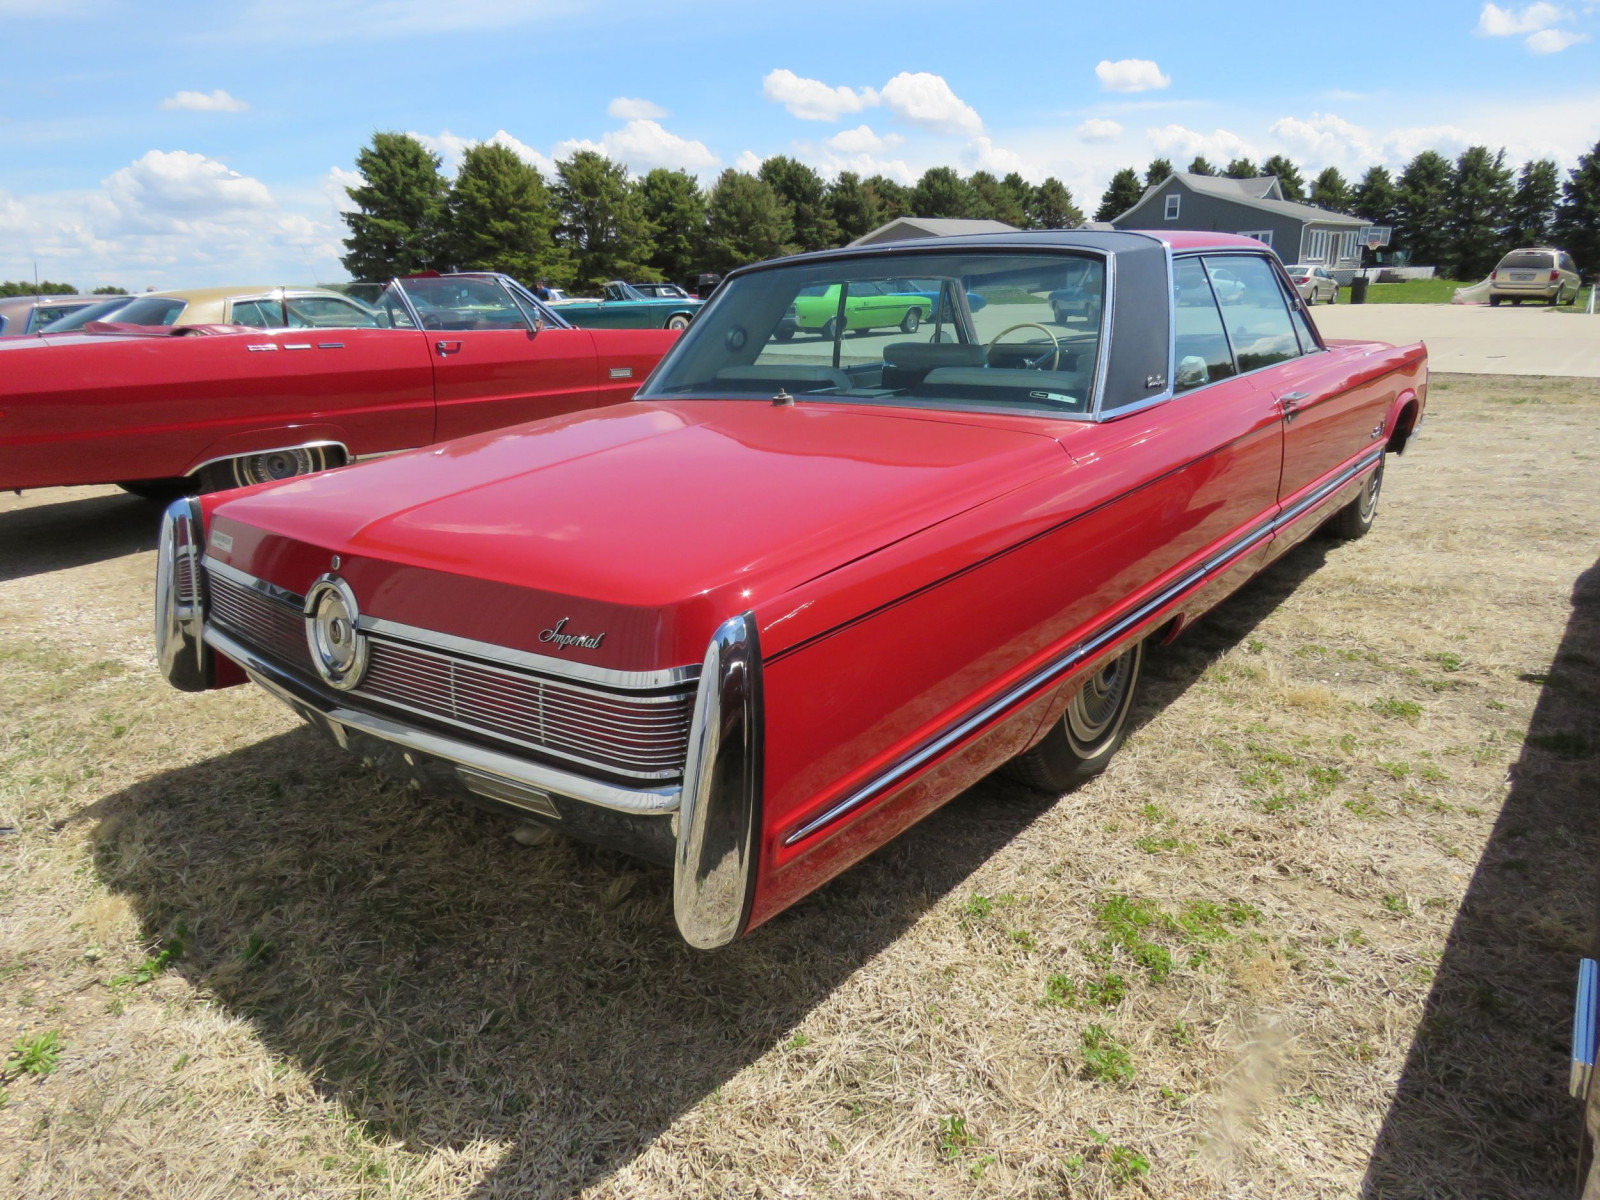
x=1192, y=372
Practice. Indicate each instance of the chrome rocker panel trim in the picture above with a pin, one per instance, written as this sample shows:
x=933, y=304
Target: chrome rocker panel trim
x=1063, y=664
x=327, y=713
x=714, y=869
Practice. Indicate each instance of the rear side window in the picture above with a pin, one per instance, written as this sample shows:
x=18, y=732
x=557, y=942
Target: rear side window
x=1537, y=259
x=1254, y=310
x=150, y=310
x=258, y=314
x=1201, y=346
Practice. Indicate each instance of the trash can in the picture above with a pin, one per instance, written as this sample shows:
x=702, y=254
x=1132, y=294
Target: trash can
x=1358, y=289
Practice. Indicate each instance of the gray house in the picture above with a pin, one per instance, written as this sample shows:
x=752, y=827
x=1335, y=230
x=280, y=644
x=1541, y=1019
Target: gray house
x=903, y=228
x=1300, y=233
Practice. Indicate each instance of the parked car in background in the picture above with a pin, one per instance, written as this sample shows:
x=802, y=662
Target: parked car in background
x=163, y=409
x=661, y=291
x=623, y=306
x=868, y=304
x=1535, y=273
x=22, y=315
x=256, y=307
x=797, y=594
x=1313, y=283
x=939, y=300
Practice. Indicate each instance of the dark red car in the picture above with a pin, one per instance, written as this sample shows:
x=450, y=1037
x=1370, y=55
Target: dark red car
x=794, y=596
x=183, y=408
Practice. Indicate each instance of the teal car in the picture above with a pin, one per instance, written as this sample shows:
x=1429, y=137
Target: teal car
x=623, y=306
x=869, y=305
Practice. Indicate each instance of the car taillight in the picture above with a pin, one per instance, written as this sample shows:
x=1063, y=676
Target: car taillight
x=1554, y=275
x=1494, y=275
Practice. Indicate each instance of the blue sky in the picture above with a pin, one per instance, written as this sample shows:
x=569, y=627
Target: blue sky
x=196, y=144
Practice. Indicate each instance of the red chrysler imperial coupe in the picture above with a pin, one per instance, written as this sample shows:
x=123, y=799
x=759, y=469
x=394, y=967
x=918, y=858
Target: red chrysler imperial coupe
x=797, y=594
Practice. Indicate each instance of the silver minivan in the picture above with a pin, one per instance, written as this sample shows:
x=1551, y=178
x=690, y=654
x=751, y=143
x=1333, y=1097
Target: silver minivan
x=1536, y=273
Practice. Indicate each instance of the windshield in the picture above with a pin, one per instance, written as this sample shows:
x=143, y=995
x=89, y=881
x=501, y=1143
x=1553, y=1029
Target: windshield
x=969, y=331
x=1527, y=258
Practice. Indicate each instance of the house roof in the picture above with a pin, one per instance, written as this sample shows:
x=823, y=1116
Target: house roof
x=902, y=228
x=1261, y=193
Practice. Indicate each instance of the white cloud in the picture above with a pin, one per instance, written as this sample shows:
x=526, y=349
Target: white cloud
x=164, y=189
x=862, y=140
x=1495, y=21
x=1130, y=75
x=748, y=161
x=864, y=165
x=999, y=160
x=1325, y=139
x=1553, y=41
x=217, y=101
x=626, y=109
x=336, y=185
x=813, y=100
x=1096, y=129
x=540, y=162
x=919, y=98
x=1220, y=145
x=644, y=145
x=1402, y=145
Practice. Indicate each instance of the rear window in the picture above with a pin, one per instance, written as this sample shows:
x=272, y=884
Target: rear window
x=1528, y=258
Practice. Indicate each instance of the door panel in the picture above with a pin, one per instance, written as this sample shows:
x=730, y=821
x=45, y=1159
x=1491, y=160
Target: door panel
x=1331, y=415
x=491, y=378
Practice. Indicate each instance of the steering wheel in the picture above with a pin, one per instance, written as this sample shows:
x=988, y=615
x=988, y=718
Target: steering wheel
x=1034, y=364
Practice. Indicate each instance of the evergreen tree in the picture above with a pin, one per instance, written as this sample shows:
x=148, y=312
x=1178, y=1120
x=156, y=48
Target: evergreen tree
x=1201, y=166
x=1578, y=218
x=1480, y=210
x=1121, y=195
x=1533, y=208
x=601, y=220
x=1422, y=199
x=993, y=200
x=110, y=289
x=855, y=209
x=398, y=226
x=673, y=203
x=804, y=195
x=941, y=193
x=500, y=216
x=1241, y=168
x=890, y=199
x=1331, y=191
x=1051, y=207
x=1375, y=198
x=1159, y=170
x=1020, y=192
x=1289, y=180
x=745, y=221
x=27, y=287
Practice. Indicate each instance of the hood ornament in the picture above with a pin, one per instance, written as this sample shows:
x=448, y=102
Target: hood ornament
x=584, y=641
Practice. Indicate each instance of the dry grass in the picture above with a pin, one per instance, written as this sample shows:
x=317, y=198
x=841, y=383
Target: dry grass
x=1311, y=935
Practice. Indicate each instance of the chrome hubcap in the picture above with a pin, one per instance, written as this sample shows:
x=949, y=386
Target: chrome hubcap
x=1369, y=494
x=1096, y=709
x=275, y=464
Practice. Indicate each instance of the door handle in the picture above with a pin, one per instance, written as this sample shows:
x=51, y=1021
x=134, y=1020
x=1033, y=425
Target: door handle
x=1291, y=404
x=447, y=348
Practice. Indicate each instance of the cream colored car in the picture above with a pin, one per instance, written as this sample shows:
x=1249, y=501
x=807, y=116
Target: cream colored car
x=1535, y=273
x=257, y=307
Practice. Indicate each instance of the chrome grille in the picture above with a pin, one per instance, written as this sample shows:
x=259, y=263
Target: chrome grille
x=183, y=577
x=639, y=733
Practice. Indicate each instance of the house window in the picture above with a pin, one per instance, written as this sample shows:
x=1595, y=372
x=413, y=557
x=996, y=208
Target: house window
x=1349, y=245
x=1264, y=236
x=1315, y=246
x=1173, y=202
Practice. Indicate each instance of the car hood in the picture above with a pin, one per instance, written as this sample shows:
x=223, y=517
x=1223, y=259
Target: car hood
x=648, y=523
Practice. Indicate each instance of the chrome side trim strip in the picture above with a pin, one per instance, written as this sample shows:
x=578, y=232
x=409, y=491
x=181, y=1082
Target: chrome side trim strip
x=322, y=709
x=714, y=864
x=1053, y=671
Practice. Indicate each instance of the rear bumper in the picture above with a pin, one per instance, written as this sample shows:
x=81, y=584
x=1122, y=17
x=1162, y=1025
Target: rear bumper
x=1524, y=291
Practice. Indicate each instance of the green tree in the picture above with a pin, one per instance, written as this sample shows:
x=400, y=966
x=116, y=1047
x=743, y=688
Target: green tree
x=27, y=287
x=675, y=206
x=1121, y=194
x=1159, y=170
x=1422, y=200
x=805, y=197
x=993, y=200
x=601, y=221
x=500, y=216
x=1051, y=207
x=1578, y=219
x=109, y=289
x=1201, y=166
x=1242, y=168
x=890, y=199
x=1289, y=180
x=1021, y=193
x=399, y=224
x=941, y=193
x=1533, y=208
x=854, y=207
x=1331, y=191
x=1375, y=198
x=745, y=221
x=1480, y=210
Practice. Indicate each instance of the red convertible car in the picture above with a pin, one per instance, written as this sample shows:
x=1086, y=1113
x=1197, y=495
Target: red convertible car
x=166, y=409
x=793, y=597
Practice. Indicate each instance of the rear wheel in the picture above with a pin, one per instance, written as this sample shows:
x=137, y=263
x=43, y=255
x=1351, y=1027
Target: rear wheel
x=913, y=318
x=678, y=321
x=1354, y=519
x=1494, y=301
x=830, y=329
x=1079, y=746
x=269, y=466
x=1556, y=299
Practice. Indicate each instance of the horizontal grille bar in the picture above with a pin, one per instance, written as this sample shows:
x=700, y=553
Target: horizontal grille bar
x=643, y=734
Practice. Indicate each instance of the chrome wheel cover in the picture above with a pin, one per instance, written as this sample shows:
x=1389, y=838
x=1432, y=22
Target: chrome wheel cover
x=1096, y=712
x=1369, y=494
x=270, y=465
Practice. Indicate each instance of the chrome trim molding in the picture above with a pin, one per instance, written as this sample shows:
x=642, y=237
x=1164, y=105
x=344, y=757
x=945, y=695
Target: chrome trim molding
x=324, y=711
x=271, y=591
x=180, y=647
x=714, y=867
x=1053, y=671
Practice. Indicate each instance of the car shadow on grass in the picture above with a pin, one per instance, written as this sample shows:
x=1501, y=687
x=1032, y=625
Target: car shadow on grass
x=448, y=987
x=75, y=533
x=1481, y=1108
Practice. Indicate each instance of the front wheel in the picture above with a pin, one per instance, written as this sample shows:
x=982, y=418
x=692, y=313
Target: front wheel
x=678, y=322
x=1354, y=519
x=912, y=319
x=1079, y=746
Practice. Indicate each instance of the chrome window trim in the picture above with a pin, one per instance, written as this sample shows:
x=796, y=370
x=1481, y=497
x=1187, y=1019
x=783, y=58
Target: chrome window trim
x=320, y=711
x=1108, y=317
x=1061, y=665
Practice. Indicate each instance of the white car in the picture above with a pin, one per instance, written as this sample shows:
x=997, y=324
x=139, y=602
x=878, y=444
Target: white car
x=1314, y=283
